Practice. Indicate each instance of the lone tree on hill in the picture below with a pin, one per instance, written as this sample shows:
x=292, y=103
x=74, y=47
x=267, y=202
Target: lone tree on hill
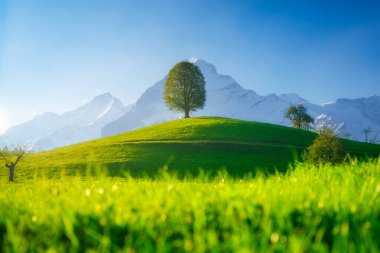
x=299, y=117
x=11, y=159
x=185, y=88
x=326, y=148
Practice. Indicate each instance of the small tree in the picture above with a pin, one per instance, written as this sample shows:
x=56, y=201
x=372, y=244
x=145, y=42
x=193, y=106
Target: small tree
x=299, y=117
x=11, y=159
x=185, y=88
x=326, y=148
x=367, y=131
x=373, y=139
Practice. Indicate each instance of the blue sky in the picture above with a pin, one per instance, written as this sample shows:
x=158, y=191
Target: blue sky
x=57, y=54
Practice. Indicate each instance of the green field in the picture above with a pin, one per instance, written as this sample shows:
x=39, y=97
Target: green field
x=186, y=145
x=308, y=209
x=193, y=185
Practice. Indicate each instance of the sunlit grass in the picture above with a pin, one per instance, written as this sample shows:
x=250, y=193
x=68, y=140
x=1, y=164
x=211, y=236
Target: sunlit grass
x=187, y=145
x=320, y=209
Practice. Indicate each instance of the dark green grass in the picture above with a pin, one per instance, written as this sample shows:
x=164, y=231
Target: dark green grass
x=187, y=145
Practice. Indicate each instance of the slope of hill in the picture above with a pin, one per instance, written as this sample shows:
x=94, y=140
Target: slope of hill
x=51, y=130
x=227, y=98
x=187, y=145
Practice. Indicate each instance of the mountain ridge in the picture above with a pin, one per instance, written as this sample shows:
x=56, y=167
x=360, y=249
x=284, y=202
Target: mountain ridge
x=105, y=115
x=50, y=130
x=227, y=98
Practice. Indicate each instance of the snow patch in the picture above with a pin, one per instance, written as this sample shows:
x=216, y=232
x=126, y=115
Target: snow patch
x=193, y=60
x=106, y=110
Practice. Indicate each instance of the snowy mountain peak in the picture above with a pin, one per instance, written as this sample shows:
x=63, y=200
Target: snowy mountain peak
x=205, y=67
x=293, y=98
x=105, y=94
x=227, y=98
x=51, y=130
x=103, y=98
x=193, y=60
x=103, y=102
x=105, y=115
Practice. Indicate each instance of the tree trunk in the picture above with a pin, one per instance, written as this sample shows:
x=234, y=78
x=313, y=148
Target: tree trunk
x=187, y=114
x=11, y=174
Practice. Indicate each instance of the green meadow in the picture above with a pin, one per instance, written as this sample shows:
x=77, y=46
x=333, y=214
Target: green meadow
x=186, y=146
x=193, y=185
x=306, y=209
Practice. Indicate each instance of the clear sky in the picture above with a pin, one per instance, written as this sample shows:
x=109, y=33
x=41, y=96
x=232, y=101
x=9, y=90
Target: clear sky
x=57, y=54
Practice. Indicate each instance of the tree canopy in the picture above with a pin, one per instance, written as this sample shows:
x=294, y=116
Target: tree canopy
x=185, y=88
x=326, y=148
x=299, y=117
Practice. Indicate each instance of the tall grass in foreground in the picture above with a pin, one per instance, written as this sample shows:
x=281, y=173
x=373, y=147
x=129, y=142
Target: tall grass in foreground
x=309, y=209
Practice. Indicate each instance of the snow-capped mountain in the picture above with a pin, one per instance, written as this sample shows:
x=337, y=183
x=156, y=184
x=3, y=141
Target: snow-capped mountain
x=226, y=98
x=51, y=130
x=105, y=115
x=349, y=117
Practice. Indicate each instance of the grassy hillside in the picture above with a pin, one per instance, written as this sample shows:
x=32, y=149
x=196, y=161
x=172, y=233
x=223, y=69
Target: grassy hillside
x=327, y=209
x=187, y=145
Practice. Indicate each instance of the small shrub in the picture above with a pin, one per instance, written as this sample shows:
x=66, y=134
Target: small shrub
x=326, y=148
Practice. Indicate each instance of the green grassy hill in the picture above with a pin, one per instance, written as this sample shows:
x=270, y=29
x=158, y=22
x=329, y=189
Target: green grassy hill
x=186, y=145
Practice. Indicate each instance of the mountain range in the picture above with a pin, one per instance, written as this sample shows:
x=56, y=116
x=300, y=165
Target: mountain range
x=226, y=98
x=105, y=115
x=50, y=130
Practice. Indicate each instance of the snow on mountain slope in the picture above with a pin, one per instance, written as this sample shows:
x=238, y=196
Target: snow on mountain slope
x=30, y=131
x=349, y=117
x=226, y=98
x=105, y=115
x=51, y=130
